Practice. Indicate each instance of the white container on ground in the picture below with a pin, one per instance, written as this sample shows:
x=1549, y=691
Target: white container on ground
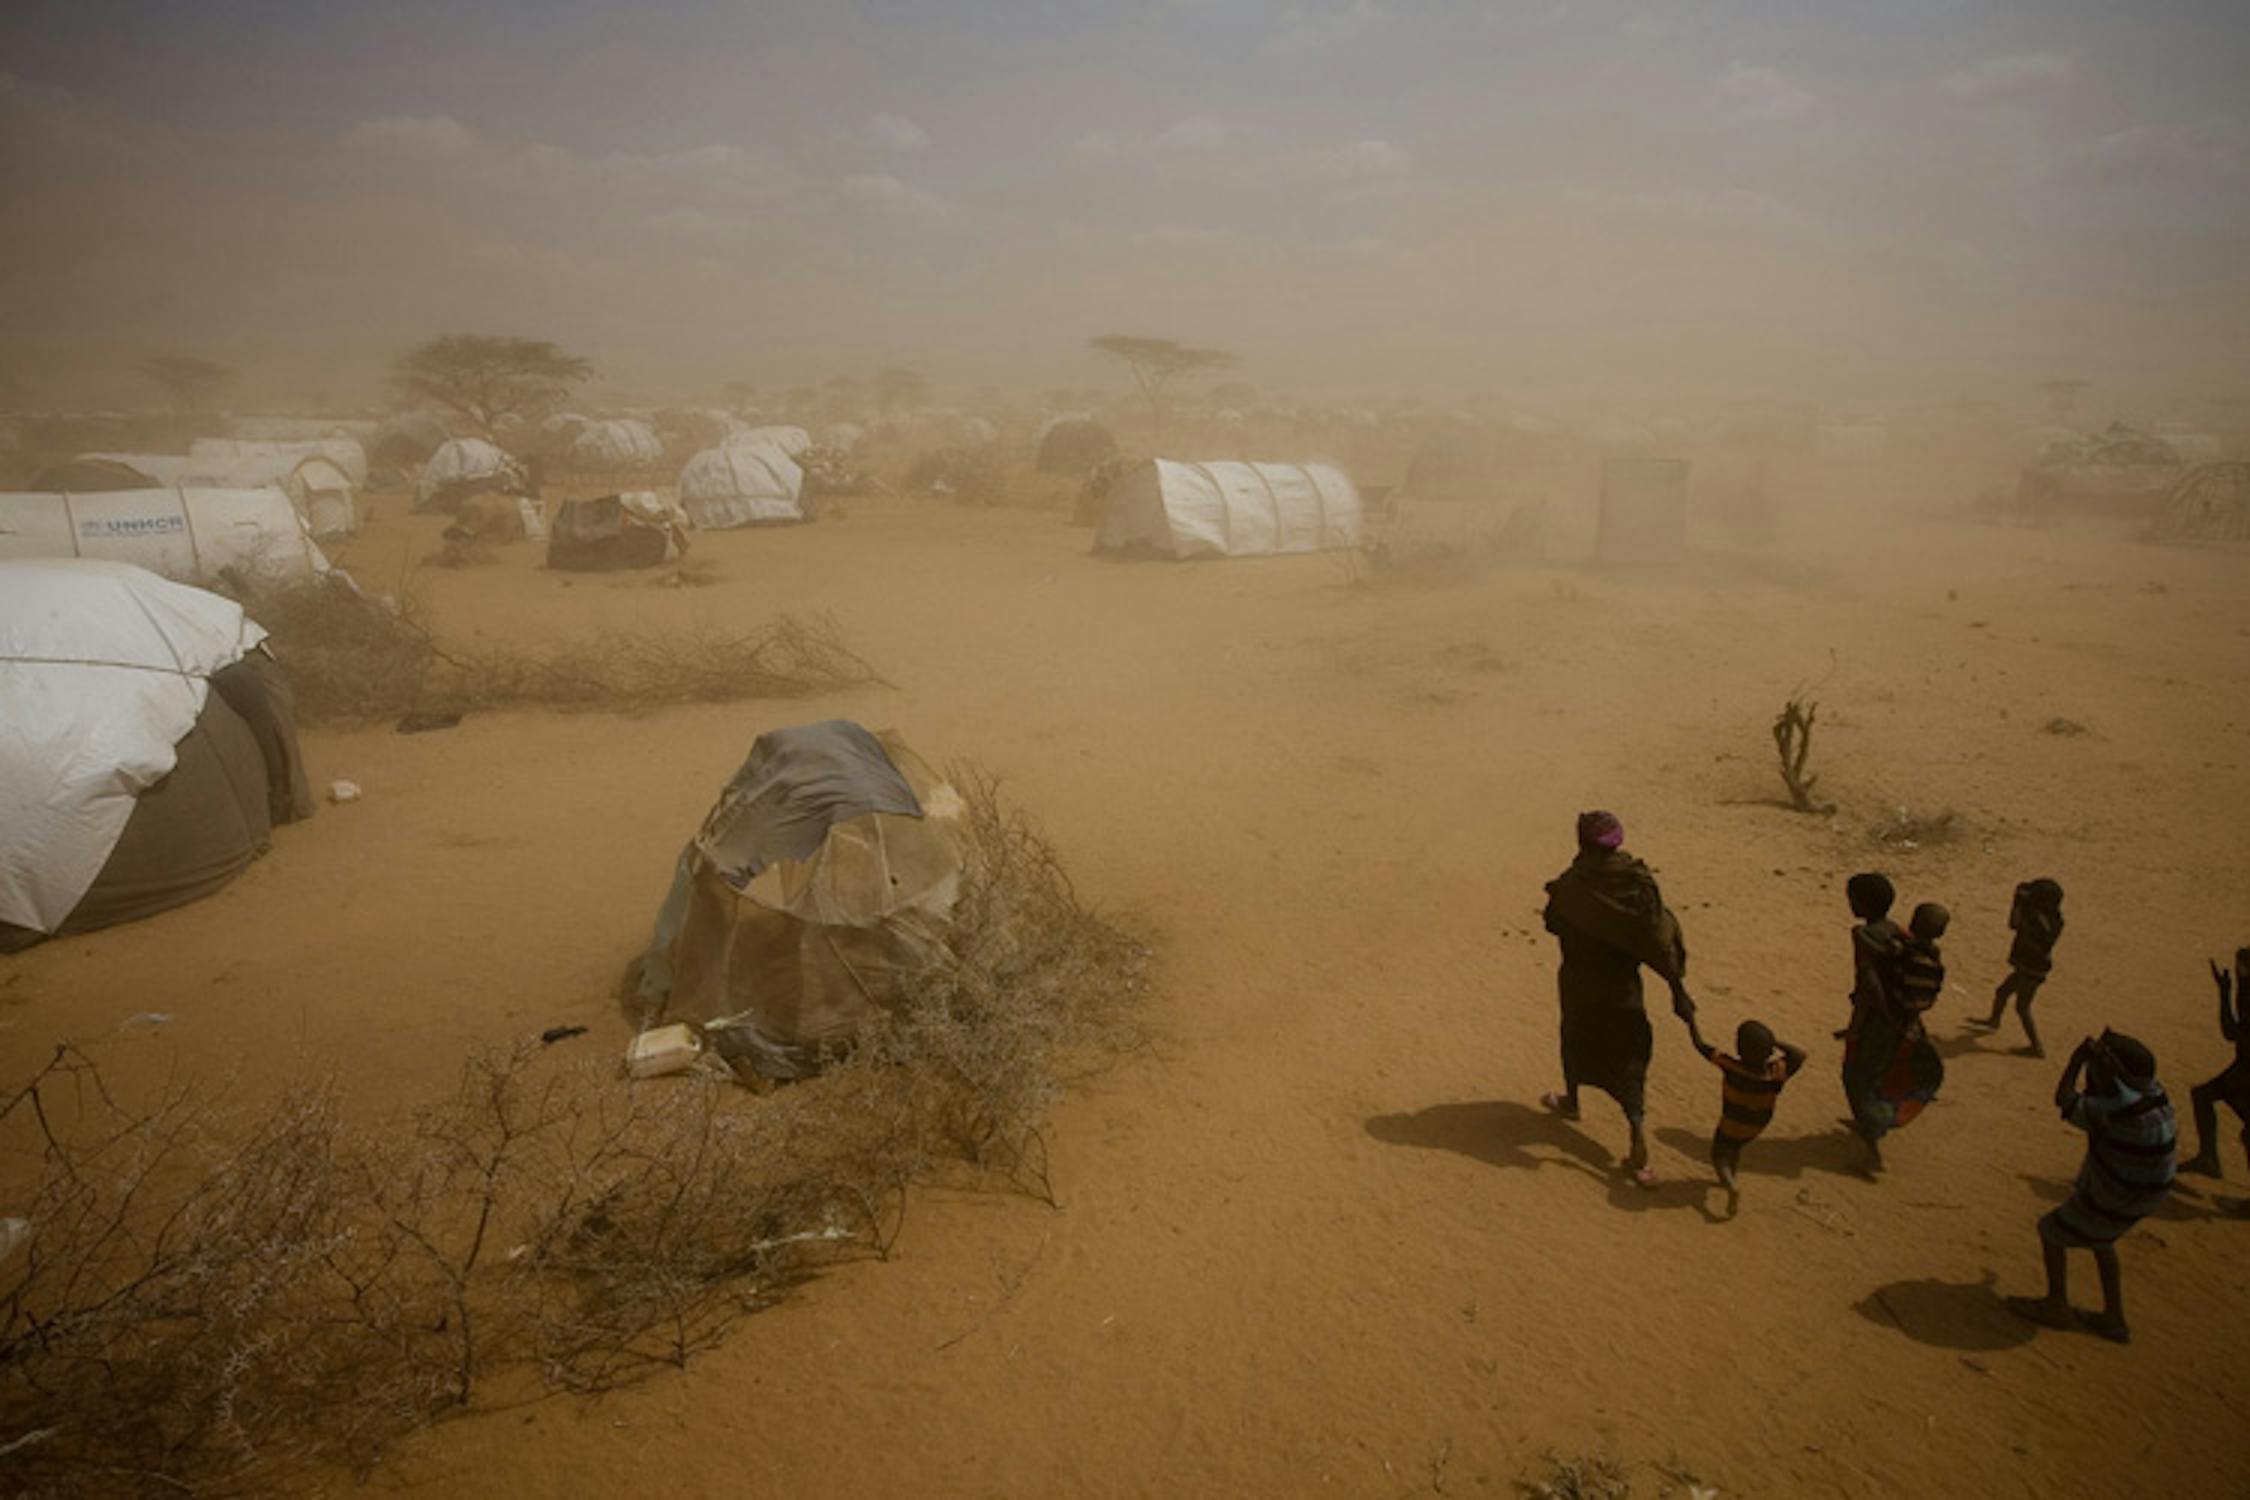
x=663, y=1049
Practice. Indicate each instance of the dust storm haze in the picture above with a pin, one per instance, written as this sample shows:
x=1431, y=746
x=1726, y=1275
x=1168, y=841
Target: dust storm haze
x=906, y=748
x=1841, y=202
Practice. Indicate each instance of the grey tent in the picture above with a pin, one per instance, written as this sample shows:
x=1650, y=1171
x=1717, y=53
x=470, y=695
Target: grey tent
x=147, y=746
x=818, y=886
x=1072, y=445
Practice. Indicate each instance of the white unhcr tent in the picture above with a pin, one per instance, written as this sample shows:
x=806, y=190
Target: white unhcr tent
x=742, y=484
x=1231, y=509
x=186, y=532
x=623, y=444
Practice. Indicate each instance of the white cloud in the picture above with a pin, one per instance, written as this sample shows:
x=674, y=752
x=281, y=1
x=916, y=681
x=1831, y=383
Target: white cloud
x=892, y=198
x=2216, y=145
x=895, y=133
x=1751, y=92
x=412, y=137
x=1308, y=33
x=2016, y=73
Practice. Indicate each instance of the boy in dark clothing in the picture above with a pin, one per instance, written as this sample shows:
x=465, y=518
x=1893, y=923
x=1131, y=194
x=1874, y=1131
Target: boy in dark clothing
x=1875, y=940
x=2036, y=919
x=2130, y=1140
x=1750, y=1086
x=2232, y=1087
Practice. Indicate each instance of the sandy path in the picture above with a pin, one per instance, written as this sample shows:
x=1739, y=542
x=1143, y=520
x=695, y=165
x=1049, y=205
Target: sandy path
x=1326, y=1243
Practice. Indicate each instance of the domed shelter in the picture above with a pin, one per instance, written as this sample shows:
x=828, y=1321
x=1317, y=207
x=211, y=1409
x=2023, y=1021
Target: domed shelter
x=743, y=484
x=147, y=746
x=403, y=440
x=1173, y=509
x=1072, y=444
x=462, y=467
x=817, y=888
x=95, y=475
x=622, y=445
x=234, y=461
x=790, y=440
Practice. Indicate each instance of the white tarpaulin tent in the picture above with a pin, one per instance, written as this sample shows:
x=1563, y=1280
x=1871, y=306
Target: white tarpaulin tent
x=104, y=670
x=624, y=443
x=790, y=440
x=185, y=532
x=319, y=486
x=231, y=459
x=1231, y=509
x=463, y=467
x=742, y=484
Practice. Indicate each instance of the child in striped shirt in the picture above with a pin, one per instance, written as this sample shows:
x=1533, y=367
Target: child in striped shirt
x=1750, y=1084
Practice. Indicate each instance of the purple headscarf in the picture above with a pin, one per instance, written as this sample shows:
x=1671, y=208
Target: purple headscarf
x=1600, y=830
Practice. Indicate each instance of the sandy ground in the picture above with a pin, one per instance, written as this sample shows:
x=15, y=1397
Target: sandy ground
x=1324, y=1241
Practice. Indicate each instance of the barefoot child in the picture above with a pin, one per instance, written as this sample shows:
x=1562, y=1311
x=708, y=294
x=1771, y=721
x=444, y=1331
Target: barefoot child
x=2036, y=919
x=2231, y=1087
x=2130, y=1139
x=1875, y=939
x=1750, y=1086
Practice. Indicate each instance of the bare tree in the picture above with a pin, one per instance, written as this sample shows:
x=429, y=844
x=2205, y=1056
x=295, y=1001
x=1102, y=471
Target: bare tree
x=190, y=383
x=1792, y=738
x=1155, y=363
x=487, y=378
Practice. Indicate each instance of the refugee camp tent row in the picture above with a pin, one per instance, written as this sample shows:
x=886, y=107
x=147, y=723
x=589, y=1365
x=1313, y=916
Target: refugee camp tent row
x=1176, y=509
x=742, y=484
x=147, y=746
x=620, y=445
x=462, y=467
x=184, y=532
x=816, y=890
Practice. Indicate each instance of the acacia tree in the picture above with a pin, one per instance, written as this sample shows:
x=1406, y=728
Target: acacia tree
x=191, y=383
x=1155, y=363
x=488, y=378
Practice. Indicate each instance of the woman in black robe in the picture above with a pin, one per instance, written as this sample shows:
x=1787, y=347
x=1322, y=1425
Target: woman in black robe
x=1610, y=919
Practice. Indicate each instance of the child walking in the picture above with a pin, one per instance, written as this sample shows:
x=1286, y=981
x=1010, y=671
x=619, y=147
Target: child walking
x=2036, y=918
x=2232, y=1086
x=1750, y=1086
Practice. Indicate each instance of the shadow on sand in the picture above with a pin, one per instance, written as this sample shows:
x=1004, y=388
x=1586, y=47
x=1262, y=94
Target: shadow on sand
x=1837, y=1153
x=1503, y=1133
x=1963, y=1315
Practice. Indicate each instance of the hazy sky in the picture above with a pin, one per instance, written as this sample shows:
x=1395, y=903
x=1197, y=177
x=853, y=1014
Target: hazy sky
x=1849, y=196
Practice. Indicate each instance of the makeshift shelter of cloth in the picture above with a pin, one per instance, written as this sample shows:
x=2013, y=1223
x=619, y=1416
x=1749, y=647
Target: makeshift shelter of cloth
x=462, y=467
x=403, y=440
x=1071, y=444
x=792, y=441
x=192, y=534
x=635, y=529
x=816, y=890
x=742, y=484
x=147, y=746
x=1229, y=509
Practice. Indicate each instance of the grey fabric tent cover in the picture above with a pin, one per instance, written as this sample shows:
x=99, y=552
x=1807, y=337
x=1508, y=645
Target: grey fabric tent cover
x=815, y=885
x=1074, y=445
x=239, y=774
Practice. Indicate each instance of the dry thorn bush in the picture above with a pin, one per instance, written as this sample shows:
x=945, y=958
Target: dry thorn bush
x=208, y=1302
x=352, y=658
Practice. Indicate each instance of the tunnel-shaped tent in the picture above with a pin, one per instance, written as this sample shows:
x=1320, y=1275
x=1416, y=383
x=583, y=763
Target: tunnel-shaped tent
x=190, y=533
x=1227, y=509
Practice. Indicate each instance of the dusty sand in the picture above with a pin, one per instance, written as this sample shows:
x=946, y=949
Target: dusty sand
x=1326, y=1242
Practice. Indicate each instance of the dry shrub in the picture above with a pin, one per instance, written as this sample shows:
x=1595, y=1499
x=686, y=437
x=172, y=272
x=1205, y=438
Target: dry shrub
x=195, y=1302
x=354, y=658
x=1032, y=986
x=1906, y=830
